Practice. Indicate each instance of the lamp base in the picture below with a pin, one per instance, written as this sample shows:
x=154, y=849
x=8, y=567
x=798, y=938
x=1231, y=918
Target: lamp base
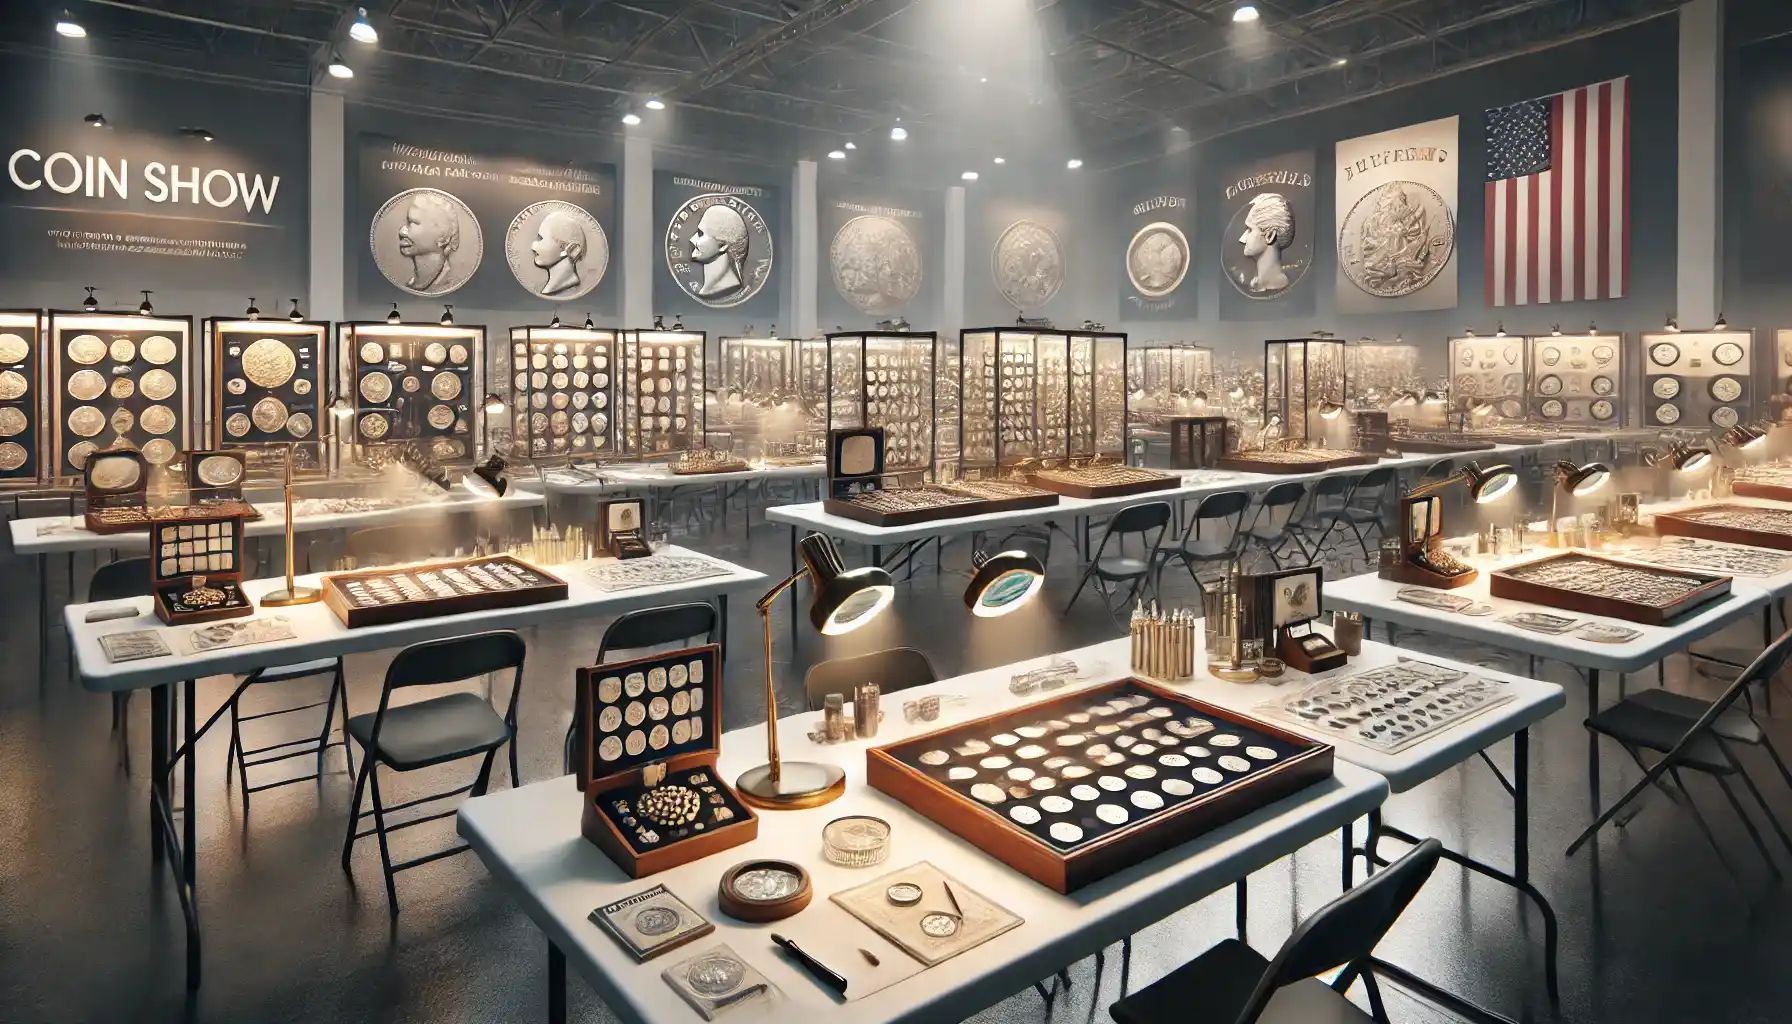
x=800, y=784
x=288, y=598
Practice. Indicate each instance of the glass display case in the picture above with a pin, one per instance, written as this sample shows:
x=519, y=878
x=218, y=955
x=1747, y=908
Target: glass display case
x=562, y=392
x=661, y=392
x=119, y=378
x=905, y=382
x=1578, y=380
x=1305, y=381
x=415, y=382
x=1166, y=377
x=1487, y=379
x=21, y=398
x=769, y=395
x=1379, y=371
x=1040, y=394
x=1698, y=379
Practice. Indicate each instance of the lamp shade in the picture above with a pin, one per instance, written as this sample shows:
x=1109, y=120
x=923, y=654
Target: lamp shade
x=487, y=480
x=1489, y=484
x=845, y=599
x=1690, y=460
x=1581, y=481
x=1003, y=583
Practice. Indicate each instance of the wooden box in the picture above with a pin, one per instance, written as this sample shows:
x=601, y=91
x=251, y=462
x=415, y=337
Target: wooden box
x=1310, y=652
x=215, y=481
x=1510, y=583
x=621, y=523
x=1180, y=799
x=1772, y=527
x=1436, y=446
x=943, y=504
x=117, y=486
x=1278, y=463
x=1420, y=562
x=1105, y=481
x=190, y=556
x=1757, y=489
x=1002, y=495
x=427, y=590
x=628, y=721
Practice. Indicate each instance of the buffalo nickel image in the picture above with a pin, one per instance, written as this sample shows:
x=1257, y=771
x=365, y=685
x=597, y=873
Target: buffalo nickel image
x=1028, y=263
x=557, y=250
x=876, y=263
x=1265, y=251
x=1157, y=259
x=426, y=242
x=1396, y=239
x=719, y=250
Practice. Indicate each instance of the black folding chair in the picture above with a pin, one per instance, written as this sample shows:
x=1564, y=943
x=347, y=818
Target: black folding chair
x=1134, y=520
x=898, y=668
x=1215, y=534
x=433, y=731
x=1359, y=510
x=639, y=630
x=1233, y=984
x=1269, y=530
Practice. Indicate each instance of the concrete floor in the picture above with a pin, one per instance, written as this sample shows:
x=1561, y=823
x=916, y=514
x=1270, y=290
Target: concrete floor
x=1653, y=929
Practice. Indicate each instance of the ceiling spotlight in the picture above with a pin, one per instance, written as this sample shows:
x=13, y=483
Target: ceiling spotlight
x=898, y=133
x=982, y=80
x=69, y=28
x=852, y=145
x=1073, y=163
x=836, y=154
x=969, y=176
x=1555, y=330
x=95, y=120
x=339, y=68
x=631, y=118
x=1245, y=13
x=90, y=303
x=252, y=312
x=1340, y=62
x=447, y=316
x=1001, y=160
x=555, y=323
x=590, y=325
x=654, y=103
x=294, y=315
x=146, y=309
x=1722, y=324
x=393, y=316
x=362, y=30
x=1672, y=325
x=1500, y=329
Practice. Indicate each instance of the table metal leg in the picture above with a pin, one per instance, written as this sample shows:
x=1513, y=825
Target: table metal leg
x=1349, y=855
x=1521, y=805
x=189, y=880
x=556, y=984
x=1241, y=897
x=1593, y=738
x=722, y=626
x=158, y=768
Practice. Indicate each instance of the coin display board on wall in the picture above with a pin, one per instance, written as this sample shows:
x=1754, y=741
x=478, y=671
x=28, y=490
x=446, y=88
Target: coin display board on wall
x=1266, y=240
x=1698, y=380
x=562, y=390
x=720, y=246
x=417, y=382
x=1488, y=372
x=662, y=391
x=1395, y=219
x=880, y=251
x=1157, y=279
x=268, y=379
x=119, y=378
x=21, y=378
x=1578, y=379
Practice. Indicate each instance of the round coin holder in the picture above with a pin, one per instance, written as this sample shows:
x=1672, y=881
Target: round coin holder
x=856, y=841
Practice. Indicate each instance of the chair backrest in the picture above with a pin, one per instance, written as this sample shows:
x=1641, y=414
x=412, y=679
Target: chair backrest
x=455, y=659
x=1346, y=930
x=895, y=669
x=115, y=581
x=387, y=544
x=1141, y=518
x=1278, y=507
x=1334, y=485
x=1223, y=511
x=1284, y=494
x=1223, y=505
x=43, y=504
x=655, y=627
x=1766, y=665
x=1370, y=487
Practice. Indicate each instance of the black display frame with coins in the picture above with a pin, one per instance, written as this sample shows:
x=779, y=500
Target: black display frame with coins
x=66, y=326
x=28, y=325
x=1578, y=406
x=174, y=587
x=925, y=360
x=406, y=420
x=616, y=700
x=529, y=382
x=1013, y=405
x=1508, y=400
x=1688, y=381
x=665, y=437
x=1282, y=371
x=227, y=341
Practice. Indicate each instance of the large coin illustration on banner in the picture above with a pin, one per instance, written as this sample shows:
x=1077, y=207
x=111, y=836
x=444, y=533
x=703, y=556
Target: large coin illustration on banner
x=719, y=250
x=1028, y=263
x=1265, y=251
x=1396, y=239
x=1157, y=259
x=426, y=242
x=557, y=250
x=876, y=264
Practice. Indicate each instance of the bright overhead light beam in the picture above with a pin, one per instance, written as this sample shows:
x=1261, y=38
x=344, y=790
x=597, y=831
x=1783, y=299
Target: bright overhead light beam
x=969, y=176
x=1001, y=160
x=1244, y=14
x=852, y=145
x=1073, y=163
x=837, y=154
x=898, y=133
x=362, y=30
x=655, y=103
x=631, y=118
x=69, y=28
x=340, y=70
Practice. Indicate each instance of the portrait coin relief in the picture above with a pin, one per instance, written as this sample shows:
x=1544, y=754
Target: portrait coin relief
x=1396, y=239
x=426, y=242
x=719, y=250
x=557, y=250
x=876, y=264
x=1157, y=259
x=1028, y=264
x=1266, y=251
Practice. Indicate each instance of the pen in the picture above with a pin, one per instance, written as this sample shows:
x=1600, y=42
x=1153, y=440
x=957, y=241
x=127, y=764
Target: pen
x=820, y=971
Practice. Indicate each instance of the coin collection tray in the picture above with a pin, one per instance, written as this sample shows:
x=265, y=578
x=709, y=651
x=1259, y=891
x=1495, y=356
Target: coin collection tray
x=1705, y=556
x=21, y=372
x=562, y=390
x=648, y=732
x=416, y=382
x=427, y=590
x=269, y=380
x=1578, y=379
x=700, y=461
x=1389, y=708
x=1773, y=482
x=1003, y=495
x=1579, y=582
x=196, y=569
x=1697, y=380
x=662, y=390
x=1294, y=460
x=1073, y=788
x=118, y=377
x=1437, y=442
x=904, y=506
x=1102, y=480
x=1490, y=370
x=1731, y=524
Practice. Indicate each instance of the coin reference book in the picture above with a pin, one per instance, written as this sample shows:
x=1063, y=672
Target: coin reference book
x=135, y=645
x=1730, y=524
x=269, y=380
x=662, y=570
x=375, y=597
x=651, y=922
x=1071, y=789
x=1580, y=582
x=648, y=732
x=196, y=569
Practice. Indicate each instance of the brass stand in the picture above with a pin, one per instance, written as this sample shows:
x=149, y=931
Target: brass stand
x=780, y=785
x=292, y=594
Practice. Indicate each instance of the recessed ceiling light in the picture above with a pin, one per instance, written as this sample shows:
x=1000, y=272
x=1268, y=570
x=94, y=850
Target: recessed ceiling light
x=1340, y=62
x=1001, y=159
x=1073, y=163
x=362, y=30
x=969, y=176
x=339, y=68
x=631, y=118
x=852, y=145
x=898, y=133
x=983, y=80
x=655, y=103
x=1245, y=13
x=68, y=27
x=836, y=154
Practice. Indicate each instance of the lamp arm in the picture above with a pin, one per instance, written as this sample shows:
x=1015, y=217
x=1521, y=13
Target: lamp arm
x=1436, y=485
x=765, y=603
x=764, y=606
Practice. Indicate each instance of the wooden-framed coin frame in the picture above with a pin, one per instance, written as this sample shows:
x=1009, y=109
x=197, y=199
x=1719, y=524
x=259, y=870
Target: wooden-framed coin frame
x=155, y=343
x=21, y=416
x=233, y=393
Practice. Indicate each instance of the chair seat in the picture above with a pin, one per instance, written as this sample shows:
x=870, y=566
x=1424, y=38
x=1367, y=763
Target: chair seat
x=1214, y=987
x=1360, y=515
x=282, y=673
x=1637, y=725
x=1121, y=568
x=1733, y=724
x=432, y=731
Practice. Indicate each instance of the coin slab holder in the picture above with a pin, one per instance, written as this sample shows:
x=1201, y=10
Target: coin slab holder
x=1070, y=789
x=661, y=391
x=1490, y=370
x=196, y=569
x=1699, y=380
x=378, y=596
x=252, y=389
x=1389, y=708
x=563, y=391
x=651, y=922
x=1578, y=379
x=1039, y=394
x=1576, y=581
x=900, y=382
x=21, y=371
x=415, y=382
x=645, y=728
x=110, y=371
x=1731, y=524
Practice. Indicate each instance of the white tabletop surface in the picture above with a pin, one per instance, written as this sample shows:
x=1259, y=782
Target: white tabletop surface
x=659, y=476
x=320, y=634
x=56, y=534
x=530, y=840
x=1778, y=585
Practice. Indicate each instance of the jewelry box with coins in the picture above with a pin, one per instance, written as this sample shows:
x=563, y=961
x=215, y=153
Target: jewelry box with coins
x=269, y=381
x=856, y=486
x=1487, y=378
x=1168, y=378
x=1698, y=380
x=21, y=377
x=375, y=597
x=1580, y=582
x=1422, y=560
x=662, y=391
x=1071, y=789
x=196, y=569
x=116, y=482
x=894, y=382
x=1039, y=394
x=649, y=732
x=119, y=377
x=215, y=481
x=563, y=391
x=1578, y=379
x=1099, y=477
x=416, y=382
x=1379, y=372
x=1749, y=525
x=1305, y=384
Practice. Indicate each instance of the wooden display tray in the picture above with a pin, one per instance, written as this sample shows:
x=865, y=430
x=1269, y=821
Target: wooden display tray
x=737, y=466
x=909, y=517
x=1678, y=524
x=1774, y=492
x=355, y=617
x=1420, y=446
x=1245, y=464
x=1167, y=482
x=1416, y=576
x=1012, y=504
x=1501, y=584
x=146, y=513
x=993, y=832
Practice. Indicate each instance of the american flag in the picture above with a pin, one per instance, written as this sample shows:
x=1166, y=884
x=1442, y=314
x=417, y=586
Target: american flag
x=1558, y=197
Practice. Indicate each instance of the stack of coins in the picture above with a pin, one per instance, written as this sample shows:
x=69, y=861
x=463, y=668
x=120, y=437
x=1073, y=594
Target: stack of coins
x=1163, y=642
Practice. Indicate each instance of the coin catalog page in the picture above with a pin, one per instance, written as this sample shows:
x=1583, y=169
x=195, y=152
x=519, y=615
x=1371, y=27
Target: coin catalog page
x=1396, y=219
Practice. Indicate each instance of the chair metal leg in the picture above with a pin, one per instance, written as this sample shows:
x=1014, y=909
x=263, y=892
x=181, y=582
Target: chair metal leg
x=242, y=760
x=323, y=738
x=1711, y=838
x=1754, y=834
x=1370, y=988
x=379, y=830
x=1772, y=818
x=354, y=812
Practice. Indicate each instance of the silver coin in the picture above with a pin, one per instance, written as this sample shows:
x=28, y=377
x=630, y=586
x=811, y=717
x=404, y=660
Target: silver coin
x=1396, y=239
x=557, y=250
x=1141, y=772
x=995, y=763
x=1260, y=753
x=1030, y=752
x=1173, y=761
x=935, y=758
x=876, y=263
x=1020, y=774
x=656, y=921
x=426, y=242
x=1043, y=783
x=1265, y=250
x=988, y=794
x=1111, y=783
x=1028, y=264
x=1024, y=814
x=1225, y=739
x=298, y=424
x=609, y=689
x=610, y=749
x=1113, y=814
x=1208, y=776
x=903, y=894
x=1085, y=793
x=939, y=926
x=1055, y=804
x=1065, y=832
x=961, y=773
x=1003, y=739
x=1054, y=763
x=1145, y=800
x=1076, y=771
x=609, y=719
x=1177, y=787
x=1234, y=764
x=1157, y=259
x=715, y=975
x=718, y=250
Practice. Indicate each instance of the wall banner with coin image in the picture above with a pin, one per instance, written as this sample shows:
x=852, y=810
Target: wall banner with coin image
x=1268, y=227
x=483, y=231
x=1017, y=260
x=881, y=252
x=1157, y=281
x=719, y=246
x=1395, y=219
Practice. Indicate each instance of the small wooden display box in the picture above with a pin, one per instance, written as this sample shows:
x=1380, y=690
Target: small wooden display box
x=1422, y=561
x=946, y=505
x=1694, y=522
x=1003, y=495
x=196, y=569
x=376, y=597
x=1503, y=583
x=1755, y=489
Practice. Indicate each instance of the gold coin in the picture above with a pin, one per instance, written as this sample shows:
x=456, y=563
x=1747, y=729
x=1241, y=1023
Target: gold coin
x=78, y=453
x=159, y=419
x=445, y=386
x=269, y=363
x=219, y=471
x=115, y=473
x=123, y=420
x=558, y=423
x=299, y=424
x=446, y=448
x=457, y=354
x=159, y=451
x=123, y=388
x=538, y=423
x=86, y=421
x=441, y=417
x=269, y=414
x=301, y=387
x=411, y=384
x=14, y=349
x=372, y=353
x=158, y=384
x=236, y=385
x=13, y=385
x=86, y=385
x=123, y=350
x=435, y=352
x=159, y=350
x=373, y=427
x=236, y=426
x=86, y=349
x=376, y=387
x=12, y=456
x=539, y=380
x=12, y=422
x=560, y=400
